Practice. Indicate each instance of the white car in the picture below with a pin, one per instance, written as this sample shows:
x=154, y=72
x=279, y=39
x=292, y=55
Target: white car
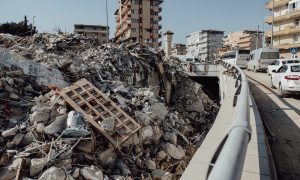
x=280, y=62
x=286, y=79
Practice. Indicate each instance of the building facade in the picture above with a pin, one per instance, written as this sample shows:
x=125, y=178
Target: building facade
x=286, y=26
x=139, y=21
x=98, y=32
x=247, y=39
x=179, y=49
x=205, y=44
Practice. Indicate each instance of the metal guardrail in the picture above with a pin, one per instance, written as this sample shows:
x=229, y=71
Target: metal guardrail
x=228, y=160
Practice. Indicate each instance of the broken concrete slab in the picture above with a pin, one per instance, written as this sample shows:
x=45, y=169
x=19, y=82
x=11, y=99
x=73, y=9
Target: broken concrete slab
x=53, y=173
x=92, y=173
x=43, y=74
x=57, y=125
x=173, y=151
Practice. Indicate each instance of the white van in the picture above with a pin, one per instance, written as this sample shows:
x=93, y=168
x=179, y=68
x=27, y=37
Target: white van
x=239, y=57
x=261, y=58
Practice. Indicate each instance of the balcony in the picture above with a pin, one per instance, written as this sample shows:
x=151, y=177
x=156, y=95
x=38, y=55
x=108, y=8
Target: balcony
x=268, y=20
x=288, y=15
x=159, y=9
x=159, y=27
x=159, y=18
x=287, y=46
x=244, y=40
x=288, y=30
x=277, y=3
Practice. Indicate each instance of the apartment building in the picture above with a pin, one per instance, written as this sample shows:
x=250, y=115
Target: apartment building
x=204, y=44
x=286, y=26
x=247, y=39
x=93, y=31
x=139, y=21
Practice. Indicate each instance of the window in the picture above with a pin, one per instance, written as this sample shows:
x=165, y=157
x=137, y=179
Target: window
x=295, y=68
x=269, y=55
x=135, y=20
x=134, y=29
x=154, y=13
x=296, y=38
x=296, y=22
x=155, y=30
x=282, y=69
x=135, y=1
x=134, y=11
x=154, y=22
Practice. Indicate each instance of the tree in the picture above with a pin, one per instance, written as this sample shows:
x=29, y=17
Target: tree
x=19, y=29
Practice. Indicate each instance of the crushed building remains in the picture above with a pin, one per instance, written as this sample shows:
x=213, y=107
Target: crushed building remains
x=47, y=132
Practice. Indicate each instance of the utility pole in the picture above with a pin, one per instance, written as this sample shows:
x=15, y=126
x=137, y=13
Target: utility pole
x=272, y=23
x=257, y=34
x=107, y=29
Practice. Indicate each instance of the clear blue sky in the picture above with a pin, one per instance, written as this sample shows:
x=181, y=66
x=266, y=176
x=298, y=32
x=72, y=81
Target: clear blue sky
x=180, y=16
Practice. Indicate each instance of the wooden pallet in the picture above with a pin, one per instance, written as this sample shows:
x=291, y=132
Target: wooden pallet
x=95, y=106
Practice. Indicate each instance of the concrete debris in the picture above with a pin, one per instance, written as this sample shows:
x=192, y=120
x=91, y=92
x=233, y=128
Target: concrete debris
x=36, y=165
x=53, y=173
x=43, y=136
x=161, y=174
x=92, y=173
x=173, y=151
x=57, y=125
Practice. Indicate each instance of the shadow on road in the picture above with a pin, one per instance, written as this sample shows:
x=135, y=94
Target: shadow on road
x=281, y=99
x=285, y=139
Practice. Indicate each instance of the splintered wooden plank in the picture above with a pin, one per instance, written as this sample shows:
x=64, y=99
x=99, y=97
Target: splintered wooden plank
x=95, y=106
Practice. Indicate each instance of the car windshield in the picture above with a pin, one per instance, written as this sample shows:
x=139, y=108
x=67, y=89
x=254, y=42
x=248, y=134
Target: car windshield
x=269, y=55
x=230, y=55
x=295, y=68
x=244, y=51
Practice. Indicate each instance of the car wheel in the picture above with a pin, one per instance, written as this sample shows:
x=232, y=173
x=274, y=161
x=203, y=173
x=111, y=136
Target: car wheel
x=281, y=92
x=272, y=85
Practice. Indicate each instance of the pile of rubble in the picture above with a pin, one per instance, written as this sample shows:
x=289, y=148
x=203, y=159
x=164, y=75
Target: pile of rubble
x=47, y=133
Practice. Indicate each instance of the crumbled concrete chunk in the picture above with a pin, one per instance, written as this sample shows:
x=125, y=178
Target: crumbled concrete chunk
x=173, y=151
x=92, y=173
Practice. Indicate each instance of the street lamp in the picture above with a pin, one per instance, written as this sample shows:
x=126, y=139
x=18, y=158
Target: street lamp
x=272, y=23
x=107, y=33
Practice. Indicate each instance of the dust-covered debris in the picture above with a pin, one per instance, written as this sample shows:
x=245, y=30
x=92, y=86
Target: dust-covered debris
x=43, y=137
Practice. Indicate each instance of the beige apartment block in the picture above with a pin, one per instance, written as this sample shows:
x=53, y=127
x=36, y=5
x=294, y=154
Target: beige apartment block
x=139, y=21
x=286, y=26
x=247, y=39
x=94, y=31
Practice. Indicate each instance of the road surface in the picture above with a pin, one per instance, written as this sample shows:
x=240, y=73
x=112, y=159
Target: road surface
x=282, y=120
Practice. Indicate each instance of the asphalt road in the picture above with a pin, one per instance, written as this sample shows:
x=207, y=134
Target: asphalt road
x=281, y=117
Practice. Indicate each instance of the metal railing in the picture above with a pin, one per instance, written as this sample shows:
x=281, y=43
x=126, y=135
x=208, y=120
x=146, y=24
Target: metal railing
x=228, y=160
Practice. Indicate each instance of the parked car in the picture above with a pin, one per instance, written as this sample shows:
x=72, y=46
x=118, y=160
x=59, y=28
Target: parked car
x=261, y=58
x=280, y=62
x=286, y=79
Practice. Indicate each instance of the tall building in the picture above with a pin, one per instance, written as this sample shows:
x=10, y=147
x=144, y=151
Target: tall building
x=205, y=44
x=286, y=26
x=247, y=39
x=93, y=31
x=138, y=21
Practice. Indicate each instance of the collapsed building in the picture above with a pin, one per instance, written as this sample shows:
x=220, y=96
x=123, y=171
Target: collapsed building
x=72, y=108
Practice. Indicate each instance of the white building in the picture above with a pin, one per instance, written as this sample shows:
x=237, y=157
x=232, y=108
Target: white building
x=204, y=44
